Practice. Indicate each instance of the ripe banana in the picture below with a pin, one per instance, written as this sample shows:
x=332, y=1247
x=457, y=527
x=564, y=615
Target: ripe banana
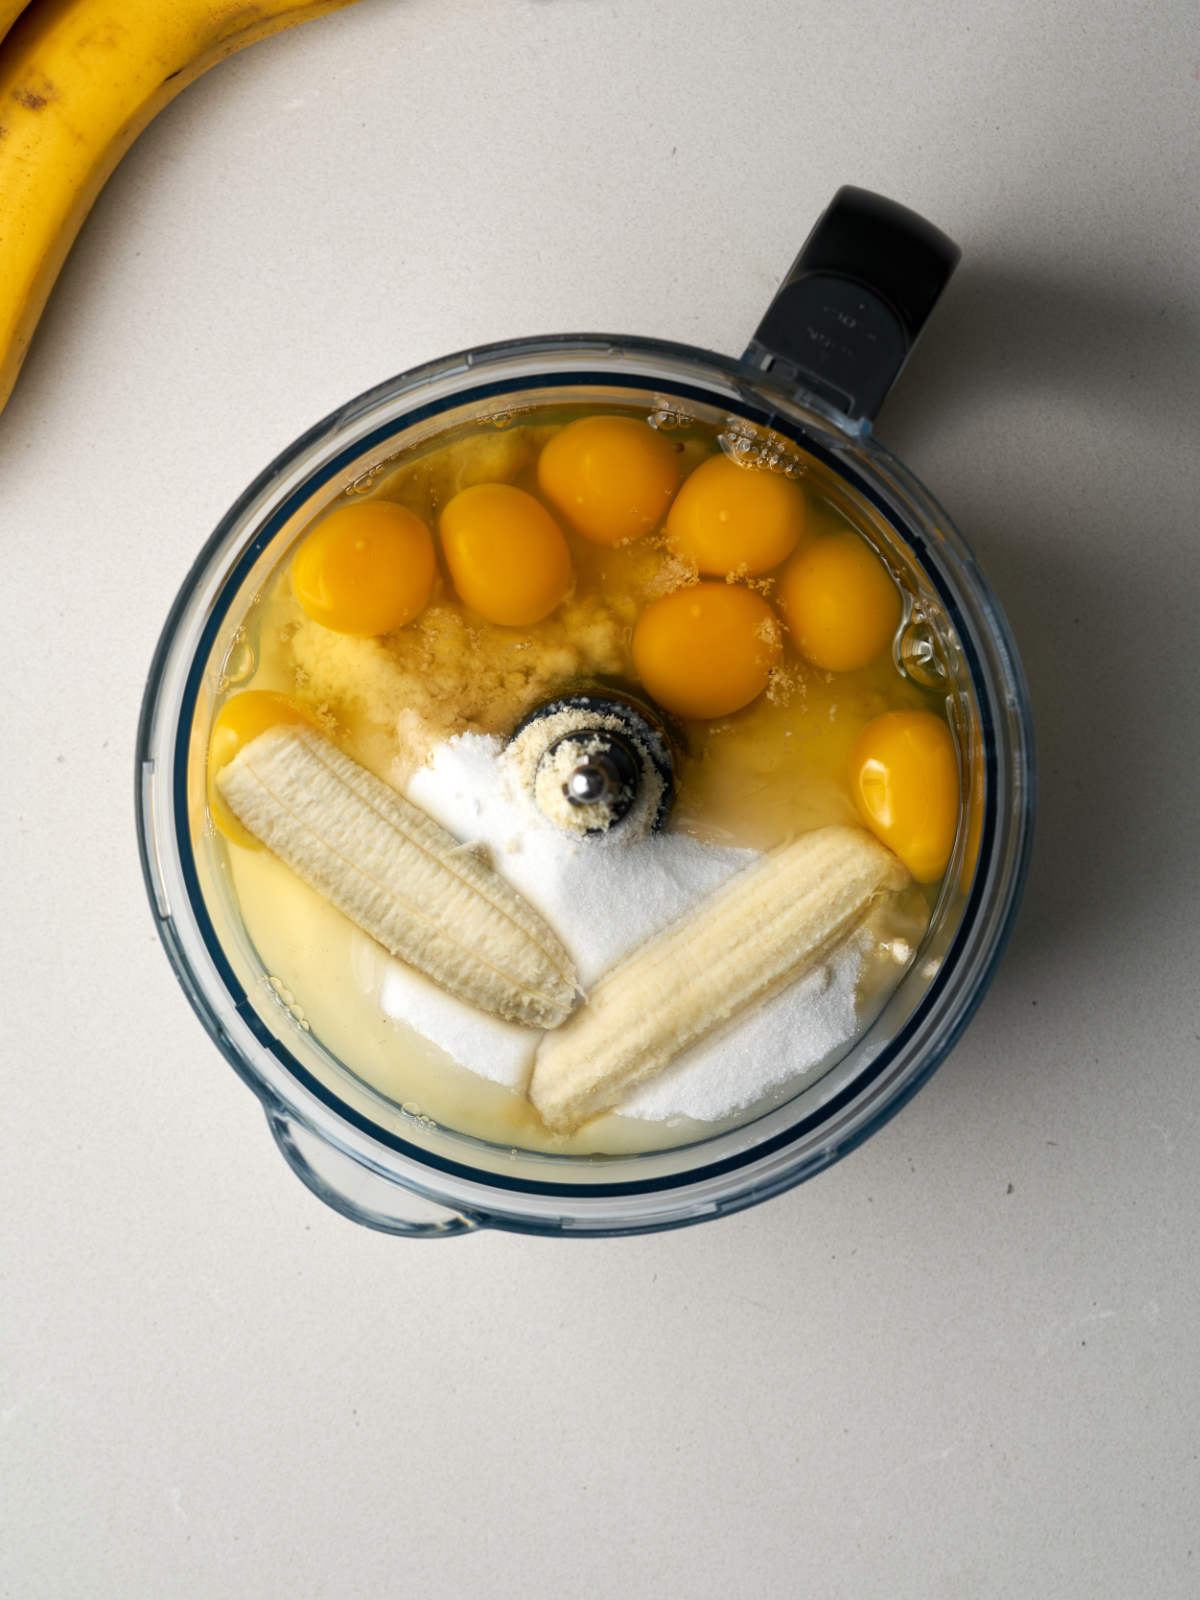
x=10, y=10
x=79, y=80
x=399, y=875
x=744, y=943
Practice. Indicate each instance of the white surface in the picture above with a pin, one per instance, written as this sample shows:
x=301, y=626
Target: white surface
x=964, y=1361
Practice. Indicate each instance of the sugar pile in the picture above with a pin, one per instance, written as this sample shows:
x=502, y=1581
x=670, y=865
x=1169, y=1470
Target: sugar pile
x=603, y=898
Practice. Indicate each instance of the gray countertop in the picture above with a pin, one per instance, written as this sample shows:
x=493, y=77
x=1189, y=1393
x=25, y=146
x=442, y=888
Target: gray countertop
x=963, y=1362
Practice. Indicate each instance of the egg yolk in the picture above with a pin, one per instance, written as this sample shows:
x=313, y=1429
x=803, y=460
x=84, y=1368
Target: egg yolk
x=840, y=602
x=733, y=519
x=611, y=478
x=506, y=554
x=706, y=650
x=238, y=722
x=365, y=569
x=904, y=779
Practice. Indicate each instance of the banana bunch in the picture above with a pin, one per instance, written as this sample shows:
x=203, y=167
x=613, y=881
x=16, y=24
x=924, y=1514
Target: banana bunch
x=79, y=80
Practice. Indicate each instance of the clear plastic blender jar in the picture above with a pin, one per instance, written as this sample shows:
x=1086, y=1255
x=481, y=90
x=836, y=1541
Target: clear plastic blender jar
x=814, y=376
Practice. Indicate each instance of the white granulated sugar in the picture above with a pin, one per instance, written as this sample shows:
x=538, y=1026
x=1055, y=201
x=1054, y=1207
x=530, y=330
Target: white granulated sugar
x=603, y=898
x=600, y=898
x=800, y=1029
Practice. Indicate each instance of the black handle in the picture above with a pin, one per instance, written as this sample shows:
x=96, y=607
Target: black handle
x=844, y=319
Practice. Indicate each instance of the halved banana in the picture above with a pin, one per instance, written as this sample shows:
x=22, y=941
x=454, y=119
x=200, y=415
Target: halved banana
x=399, y=876
x=744, y=943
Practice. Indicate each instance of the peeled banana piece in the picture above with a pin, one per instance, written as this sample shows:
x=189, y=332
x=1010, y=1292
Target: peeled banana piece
x=79, y=80
x=749, y=939
x=399, y=875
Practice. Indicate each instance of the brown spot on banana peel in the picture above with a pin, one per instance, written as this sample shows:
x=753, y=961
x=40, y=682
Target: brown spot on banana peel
x=36, y=92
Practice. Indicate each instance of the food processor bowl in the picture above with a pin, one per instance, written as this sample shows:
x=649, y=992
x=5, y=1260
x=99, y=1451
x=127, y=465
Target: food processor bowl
x=810, y=382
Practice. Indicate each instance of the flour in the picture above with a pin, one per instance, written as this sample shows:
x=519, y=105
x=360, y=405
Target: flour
x=603, y=900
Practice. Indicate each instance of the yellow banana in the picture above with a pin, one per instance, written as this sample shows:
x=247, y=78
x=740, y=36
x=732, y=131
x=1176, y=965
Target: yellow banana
x=10, y=10
x=79, y=80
